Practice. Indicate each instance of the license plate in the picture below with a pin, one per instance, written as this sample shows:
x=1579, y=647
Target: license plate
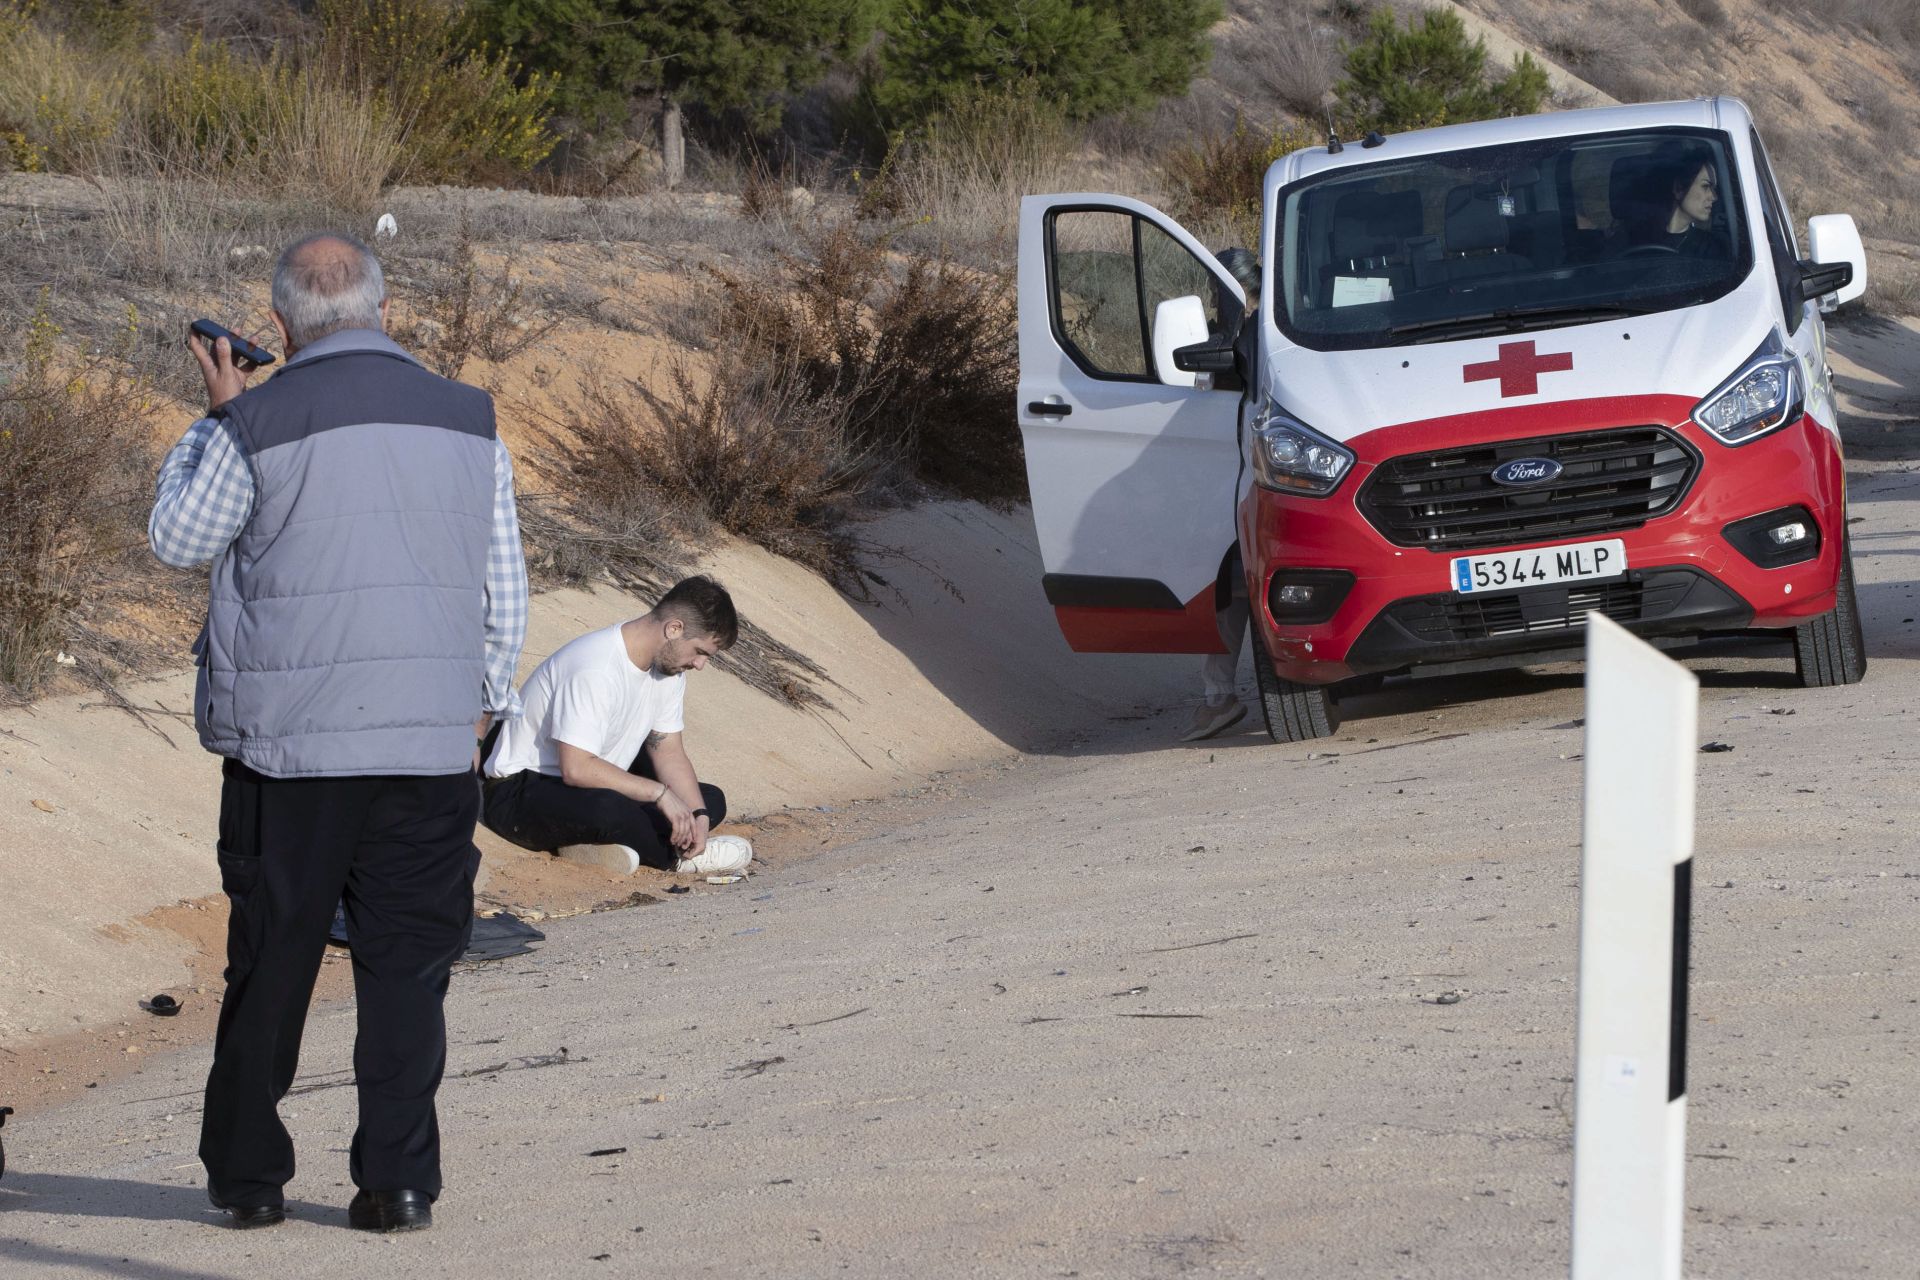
x=1510, y=570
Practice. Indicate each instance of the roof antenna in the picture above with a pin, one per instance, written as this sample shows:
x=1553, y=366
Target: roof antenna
x=1334, y=145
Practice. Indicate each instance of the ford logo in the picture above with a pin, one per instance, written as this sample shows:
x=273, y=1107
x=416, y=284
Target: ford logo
x=1527, y=471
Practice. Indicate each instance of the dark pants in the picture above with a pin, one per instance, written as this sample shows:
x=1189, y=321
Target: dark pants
x=398, y=851
x=543, y=813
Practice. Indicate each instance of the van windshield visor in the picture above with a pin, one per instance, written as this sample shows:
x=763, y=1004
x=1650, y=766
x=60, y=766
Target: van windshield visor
x=1503, y=239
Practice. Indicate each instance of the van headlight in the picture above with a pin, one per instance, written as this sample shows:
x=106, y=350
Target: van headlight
x=1763, y=396
x=1292, y=457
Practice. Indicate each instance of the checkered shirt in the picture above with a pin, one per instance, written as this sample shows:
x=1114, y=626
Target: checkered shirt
x=205, y=495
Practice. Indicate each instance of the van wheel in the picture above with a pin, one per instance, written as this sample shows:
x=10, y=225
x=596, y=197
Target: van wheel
x=1295, y=712
x=1831, y=649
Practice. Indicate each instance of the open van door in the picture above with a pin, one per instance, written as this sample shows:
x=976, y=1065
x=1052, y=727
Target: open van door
x=1133, y=468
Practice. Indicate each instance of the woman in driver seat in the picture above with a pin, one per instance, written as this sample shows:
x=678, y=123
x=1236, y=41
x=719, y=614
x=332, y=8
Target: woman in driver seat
x=1682, y=188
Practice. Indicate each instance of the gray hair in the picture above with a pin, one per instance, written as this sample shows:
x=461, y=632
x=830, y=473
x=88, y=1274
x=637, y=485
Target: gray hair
x=319, y=291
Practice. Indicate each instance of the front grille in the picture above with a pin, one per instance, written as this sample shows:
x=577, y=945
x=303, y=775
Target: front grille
x=1611, y=480
x=1453, y=619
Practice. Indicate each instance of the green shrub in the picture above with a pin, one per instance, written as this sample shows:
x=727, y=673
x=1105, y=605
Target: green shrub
x=1092, y=56
x=459, y=112
x=1430, y=73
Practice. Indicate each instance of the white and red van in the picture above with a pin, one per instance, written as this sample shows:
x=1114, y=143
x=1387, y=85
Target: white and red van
x=1498, y=376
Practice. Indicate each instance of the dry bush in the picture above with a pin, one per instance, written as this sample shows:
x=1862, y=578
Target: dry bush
x=453, y=309
x=1296, y=54
x=1708, y=13
x=641, y=477
x=1219, y=177
x=69, y=462
x=926, y=359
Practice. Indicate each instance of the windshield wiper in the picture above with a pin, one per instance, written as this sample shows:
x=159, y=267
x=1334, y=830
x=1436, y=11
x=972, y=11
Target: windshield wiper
x=1510, y=320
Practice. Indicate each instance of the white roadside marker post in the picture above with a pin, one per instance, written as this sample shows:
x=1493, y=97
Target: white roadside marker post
x=1636, y=881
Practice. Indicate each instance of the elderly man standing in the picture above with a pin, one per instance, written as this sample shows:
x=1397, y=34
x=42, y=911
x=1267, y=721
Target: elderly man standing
x=367, y=606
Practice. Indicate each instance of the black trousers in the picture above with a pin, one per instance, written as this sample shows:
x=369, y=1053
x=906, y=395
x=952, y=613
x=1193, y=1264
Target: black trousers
x=543, y=813
x=399, y=852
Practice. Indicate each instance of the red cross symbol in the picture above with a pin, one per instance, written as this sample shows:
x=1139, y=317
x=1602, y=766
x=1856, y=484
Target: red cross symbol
x=1518, y=368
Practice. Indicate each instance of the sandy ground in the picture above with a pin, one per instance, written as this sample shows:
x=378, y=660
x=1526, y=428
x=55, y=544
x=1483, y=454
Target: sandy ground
x=1109, y=1007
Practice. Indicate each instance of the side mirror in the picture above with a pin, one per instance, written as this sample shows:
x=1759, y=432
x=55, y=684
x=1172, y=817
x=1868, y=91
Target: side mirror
x=1177, y=323
x=1817, y=279
x=1834, y=241
x=1204, y=357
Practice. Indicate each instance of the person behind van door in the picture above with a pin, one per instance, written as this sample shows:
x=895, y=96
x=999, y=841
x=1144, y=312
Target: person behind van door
x=367, y=605
x=1220, y=706
x=596, y=767
x=1682, y=188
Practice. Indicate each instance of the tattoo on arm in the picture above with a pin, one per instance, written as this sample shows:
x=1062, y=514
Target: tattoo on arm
x=655, y=738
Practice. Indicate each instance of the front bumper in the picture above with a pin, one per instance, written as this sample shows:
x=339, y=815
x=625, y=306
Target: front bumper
x=1684, y=575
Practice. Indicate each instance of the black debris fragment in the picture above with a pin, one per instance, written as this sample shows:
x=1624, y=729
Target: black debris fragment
x=1715, y=748
x=161, y=1006
x=679, y=888
x=4, y=1113
x=606, y=1151
x=758, y=1067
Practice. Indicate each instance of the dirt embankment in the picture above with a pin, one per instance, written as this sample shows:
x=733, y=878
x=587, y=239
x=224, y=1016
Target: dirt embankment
x=109, y=822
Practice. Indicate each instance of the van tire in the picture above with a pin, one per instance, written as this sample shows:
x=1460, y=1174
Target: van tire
x=1832, y=649
x=1295, y=712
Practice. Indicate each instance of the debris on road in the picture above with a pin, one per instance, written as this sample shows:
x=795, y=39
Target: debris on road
x=161, y=1006
x=43, y=806
x=4, y=1113
x=758, y=1067
x=1715, y=748
x=606, y=1151
x=1211, y=942
x=838, y=1017
x=1130, y=991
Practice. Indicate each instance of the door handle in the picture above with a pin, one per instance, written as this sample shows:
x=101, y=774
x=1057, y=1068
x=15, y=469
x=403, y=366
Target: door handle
x=1049, y=409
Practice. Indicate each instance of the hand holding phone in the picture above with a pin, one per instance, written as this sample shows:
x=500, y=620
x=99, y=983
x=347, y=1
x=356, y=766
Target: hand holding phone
x=225, y=359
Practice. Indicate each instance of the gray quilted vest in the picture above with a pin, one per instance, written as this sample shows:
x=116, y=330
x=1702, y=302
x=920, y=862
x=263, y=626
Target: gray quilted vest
x=346, y=625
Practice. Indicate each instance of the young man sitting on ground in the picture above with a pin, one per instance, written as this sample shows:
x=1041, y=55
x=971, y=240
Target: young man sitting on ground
x=595, y=768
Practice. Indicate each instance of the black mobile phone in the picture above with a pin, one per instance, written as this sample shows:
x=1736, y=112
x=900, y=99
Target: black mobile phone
x=242, y=349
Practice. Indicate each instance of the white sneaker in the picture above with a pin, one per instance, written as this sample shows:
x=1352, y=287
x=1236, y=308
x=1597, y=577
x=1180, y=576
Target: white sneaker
x=723, y=854
x=616, y=858
x=1210, y=718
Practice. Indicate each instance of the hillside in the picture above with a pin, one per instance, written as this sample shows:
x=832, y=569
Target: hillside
x=1835, y=87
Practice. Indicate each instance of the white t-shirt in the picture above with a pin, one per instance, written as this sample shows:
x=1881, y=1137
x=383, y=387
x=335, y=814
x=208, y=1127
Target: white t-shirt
x=588, y=695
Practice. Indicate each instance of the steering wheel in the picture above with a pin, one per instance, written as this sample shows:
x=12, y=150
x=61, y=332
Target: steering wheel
x=1644, y=250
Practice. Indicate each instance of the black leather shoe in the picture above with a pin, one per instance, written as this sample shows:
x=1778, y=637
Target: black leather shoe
x=391, y=1211
x=248, y=1216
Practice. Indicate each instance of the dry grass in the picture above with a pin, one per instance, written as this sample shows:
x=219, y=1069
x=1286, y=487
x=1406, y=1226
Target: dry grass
x=963, y=176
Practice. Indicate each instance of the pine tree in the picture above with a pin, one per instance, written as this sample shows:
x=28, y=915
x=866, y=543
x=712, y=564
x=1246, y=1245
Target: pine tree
x=1090, y=56
x=1430, y=73
x=718, y=54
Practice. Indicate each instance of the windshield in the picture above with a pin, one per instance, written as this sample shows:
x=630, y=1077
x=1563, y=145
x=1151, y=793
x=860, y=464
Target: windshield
x=1501, y=239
